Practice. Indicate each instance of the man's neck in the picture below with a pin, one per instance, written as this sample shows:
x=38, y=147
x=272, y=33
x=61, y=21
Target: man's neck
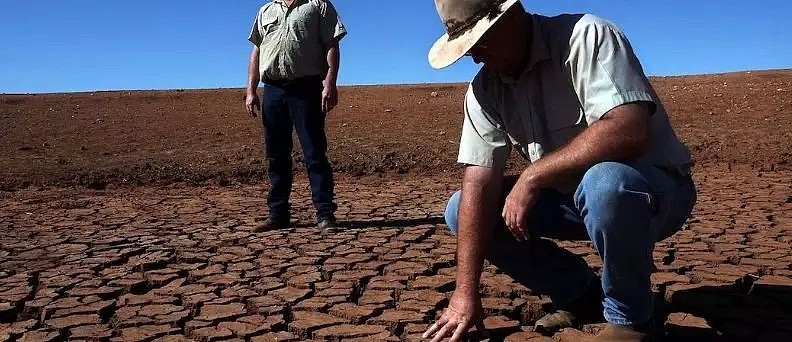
x=526, y=41
x=288, y=2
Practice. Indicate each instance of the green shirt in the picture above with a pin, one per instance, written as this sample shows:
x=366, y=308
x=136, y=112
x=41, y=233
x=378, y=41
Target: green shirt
x=293, y=41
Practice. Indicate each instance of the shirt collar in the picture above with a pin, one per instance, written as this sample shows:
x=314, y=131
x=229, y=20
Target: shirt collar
x=538, y=51
x=282, y=2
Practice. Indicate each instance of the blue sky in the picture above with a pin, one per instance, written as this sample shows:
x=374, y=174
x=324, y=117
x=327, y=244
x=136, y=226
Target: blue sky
x=60, y=46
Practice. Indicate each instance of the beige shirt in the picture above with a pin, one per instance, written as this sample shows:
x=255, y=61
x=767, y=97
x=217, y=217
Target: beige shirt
x=580, y=68
x=293, y=40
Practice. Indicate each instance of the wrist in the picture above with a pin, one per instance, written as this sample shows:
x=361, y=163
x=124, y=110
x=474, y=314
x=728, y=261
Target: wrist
x=531, y=179
x=466, y=290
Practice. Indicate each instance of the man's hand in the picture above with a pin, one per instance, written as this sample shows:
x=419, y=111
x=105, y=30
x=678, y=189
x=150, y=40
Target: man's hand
x=518, y=206
x=252, y=103
x=329, y=97
x=464, y=311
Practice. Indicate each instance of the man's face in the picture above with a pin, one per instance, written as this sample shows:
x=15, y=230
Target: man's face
x=501, y=48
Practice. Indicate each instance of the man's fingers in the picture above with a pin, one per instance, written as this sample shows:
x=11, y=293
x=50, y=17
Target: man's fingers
x=517, y=234
x=521, y=234
x=459, y=332
x=513, y=232
x=511, y=223
x=519, y=224
x=430, y=331
x=524, y=224
x=330, y=105
x=434, y=327
x=525, y=233
x=444, y=331
x=516, y=224
x=252, y=105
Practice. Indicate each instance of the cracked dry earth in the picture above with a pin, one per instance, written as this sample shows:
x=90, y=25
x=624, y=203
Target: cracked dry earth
x=178, y=264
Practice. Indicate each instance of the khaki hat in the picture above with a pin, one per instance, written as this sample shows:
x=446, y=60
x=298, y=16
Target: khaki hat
x=466, y=21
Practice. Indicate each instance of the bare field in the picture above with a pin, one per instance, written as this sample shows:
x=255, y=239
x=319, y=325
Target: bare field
x=204, y=136
x=91, y=249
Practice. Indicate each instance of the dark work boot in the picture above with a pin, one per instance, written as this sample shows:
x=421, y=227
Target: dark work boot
x=328, y=226
x=586, y=308
x=270, y=225
x=623, y=333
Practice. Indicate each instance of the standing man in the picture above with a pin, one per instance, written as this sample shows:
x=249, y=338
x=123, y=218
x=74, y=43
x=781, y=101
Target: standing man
x=296, y=56
x=570, y=95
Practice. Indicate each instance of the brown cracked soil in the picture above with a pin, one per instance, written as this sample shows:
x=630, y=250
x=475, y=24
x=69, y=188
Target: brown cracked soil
x=90, y=249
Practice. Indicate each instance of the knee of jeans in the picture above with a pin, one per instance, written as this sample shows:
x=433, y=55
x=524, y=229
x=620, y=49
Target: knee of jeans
x=452, y=211
x=279, y=162
x=313, y=162
x=605, y=184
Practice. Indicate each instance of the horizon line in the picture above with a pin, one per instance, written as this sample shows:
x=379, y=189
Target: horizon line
x=357, y=84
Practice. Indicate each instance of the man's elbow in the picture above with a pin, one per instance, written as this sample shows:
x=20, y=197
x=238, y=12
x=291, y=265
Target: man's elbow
x=631, y=142
x=629, y=127
x=639, y=126
x=638, y=144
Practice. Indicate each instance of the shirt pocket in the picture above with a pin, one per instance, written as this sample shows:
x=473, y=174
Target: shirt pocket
x=565, y=118
x=563, y=126
x=303, y=23
x=269, y=25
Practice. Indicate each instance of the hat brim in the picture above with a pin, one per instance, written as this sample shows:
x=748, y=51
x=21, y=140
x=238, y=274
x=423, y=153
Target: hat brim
x=447, y=50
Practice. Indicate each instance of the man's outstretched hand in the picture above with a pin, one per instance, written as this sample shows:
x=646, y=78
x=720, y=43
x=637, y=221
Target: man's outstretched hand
x=463, y=312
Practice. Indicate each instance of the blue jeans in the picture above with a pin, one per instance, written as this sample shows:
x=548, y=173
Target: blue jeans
x=623, y=209
x=296, y=103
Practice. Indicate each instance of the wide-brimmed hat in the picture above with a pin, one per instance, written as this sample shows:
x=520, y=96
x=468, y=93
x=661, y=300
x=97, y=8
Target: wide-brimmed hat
x=466, y=21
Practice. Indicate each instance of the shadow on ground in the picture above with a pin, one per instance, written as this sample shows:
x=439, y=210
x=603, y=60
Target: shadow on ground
x=750, y=310
x=398, y=223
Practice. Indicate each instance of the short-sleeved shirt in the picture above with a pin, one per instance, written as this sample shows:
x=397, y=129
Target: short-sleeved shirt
x=580, y=67
x=293, y=41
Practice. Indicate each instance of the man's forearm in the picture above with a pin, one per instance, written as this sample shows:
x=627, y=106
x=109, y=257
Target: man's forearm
x=477, y=216
x=253, y=70
x=623, y=134
x=333, y=62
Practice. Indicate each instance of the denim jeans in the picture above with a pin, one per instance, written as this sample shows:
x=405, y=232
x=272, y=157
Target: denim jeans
x=296, y=103
x=623, y=209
